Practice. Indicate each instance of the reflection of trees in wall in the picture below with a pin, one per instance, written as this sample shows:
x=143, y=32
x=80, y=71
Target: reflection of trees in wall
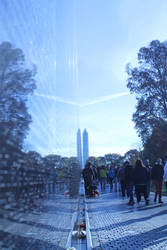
x=74, y=179
x=16, y=82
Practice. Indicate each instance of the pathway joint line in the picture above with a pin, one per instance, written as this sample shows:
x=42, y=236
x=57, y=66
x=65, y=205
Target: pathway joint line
x=69, y=240
x=88, y=233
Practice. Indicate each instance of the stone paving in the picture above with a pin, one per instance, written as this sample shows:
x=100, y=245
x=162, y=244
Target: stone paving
x=115, y=225
x=46, y=227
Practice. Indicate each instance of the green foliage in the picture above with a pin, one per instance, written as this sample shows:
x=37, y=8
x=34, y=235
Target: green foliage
x=93, y=160
x=52, y=160
x=149, y=82
x=156, y=144
x=132, y=155
x=114, y=159
x=16, y=82
x=34, y=159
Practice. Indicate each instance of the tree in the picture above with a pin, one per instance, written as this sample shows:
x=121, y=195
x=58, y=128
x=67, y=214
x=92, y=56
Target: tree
x=149, y=82
x=33, y=158
x=93, y=160
x=53, y=160
x=16, y=82
x=156, y=144
x=132, y=155
x=113, y=159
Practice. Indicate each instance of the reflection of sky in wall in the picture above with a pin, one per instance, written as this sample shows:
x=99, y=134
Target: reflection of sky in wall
x=81, y=49
x=43, y=31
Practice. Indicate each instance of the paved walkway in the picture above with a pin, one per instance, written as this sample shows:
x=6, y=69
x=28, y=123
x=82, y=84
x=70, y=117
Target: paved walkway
x=44, y=228
x=115, y=225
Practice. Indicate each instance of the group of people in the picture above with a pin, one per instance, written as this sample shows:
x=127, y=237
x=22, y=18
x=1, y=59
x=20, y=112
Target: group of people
x=129, y=180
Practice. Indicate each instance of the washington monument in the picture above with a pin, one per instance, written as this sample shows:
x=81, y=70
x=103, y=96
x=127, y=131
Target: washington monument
x=82, y=147
x=85, y=147
x=79, y=146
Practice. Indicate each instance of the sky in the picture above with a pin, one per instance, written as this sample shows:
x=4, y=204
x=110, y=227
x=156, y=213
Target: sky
x=81, y=49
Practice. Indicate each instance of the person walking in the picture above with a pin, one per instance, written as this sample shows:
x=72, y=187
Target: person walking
x=88, y=178
x=103, y=177
x=129, y=182
x=111, y=176
x=157, y=174
x=119, y=184
x=121, y=177
x=141, y=177
x=116, y=183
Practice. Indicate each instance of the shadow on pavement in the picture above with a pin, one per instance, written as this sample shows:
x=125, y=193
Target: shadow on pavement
x=138, y=241
x=13, y=241
x=38, y=228
x=128, y=222
x=38, y=225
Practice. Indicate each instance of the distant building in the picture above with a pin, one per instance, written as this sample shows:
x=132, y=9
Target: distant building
x=79, y=147
x=85, y=146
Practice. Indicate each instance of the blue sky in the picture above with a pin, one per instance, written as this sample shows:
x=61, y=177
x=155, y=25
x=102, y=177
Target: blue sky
x=81, y=48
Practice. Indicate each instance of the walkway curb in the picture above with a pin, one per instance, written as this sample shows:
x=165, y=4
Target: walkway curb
x=74, y=219
x=88, y=233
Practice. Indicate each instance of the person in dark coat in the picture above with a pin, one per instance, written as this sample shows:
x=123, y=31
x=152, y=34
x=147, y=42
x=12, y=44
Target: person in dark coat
x=141, y=177
x=88, y=178
x=121, y=177
x=157, y=177
x=129, y=182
